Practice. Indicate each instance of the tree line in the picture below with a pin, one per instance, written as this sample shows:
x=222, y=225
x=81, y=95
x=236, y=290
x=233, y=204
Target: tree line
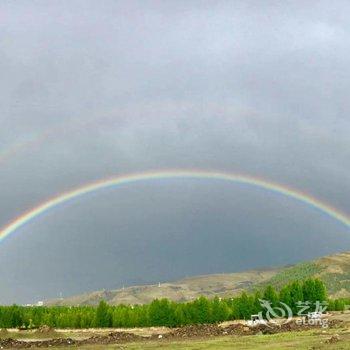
x=163, y=312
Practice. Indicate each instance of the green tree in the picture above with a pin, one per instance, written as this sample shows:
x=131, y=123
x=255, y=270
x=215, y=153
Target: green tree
x=220, y=310
x=103, y=317
x=161, y=313
x=202, y=310
x=270, y=294
x=244, y=306
x=320, y=290
x=309, y=292
x=180, y=319
x=339, y=305
x=257, y=303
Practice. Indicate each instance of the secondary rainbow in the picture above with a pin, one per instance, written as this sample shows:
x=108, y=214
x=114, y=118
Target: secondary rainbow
x=172, y=174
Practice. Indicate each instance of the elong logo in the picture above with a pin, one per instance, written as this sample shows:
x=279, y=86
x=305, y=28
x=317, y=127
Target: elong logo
x=283, y=314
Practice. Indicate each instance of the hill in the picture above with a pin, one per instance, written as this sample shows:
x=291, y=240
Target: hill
x=334, y=270
x=182, y=290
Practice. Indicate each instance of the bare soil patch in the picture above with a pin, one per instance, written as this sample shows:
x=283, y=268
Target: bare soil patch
x=186, y=332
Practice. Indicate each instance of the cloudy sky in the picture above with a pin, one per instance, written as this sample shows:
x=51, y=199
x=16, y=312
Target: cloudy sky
x=92, y=89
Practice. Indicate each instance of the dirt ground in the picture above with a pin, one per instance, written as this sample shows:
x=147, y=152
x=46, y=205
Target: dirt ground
x=338, y=330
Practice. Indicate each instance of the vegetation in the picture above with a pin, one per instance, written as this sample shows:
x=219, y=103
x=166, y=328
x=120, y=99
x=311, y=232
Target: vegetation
x=297, y=272
x=333, y=270
x=167, y=313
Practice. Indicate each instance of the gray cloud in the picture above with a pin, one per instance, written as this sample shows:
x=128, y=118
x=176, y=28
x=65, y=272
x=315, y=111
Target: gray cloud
x=91, y=90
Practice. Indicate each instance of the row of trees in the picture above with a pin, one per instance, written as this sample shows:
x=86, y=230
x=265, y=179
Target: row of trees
x=167, y=313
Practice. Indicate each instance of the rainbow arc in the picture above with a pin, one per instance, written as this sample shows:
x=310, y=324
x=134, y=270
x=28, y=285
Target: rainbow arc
x=52, y=203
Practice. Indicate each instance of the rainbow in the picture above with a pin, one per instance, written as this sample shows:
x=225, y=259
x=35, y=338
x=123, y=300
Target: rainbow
x=172, y=174
x=50, y=133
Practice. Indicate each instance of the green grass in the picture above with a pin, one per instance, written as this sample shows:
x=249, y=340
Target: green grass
x=335, y=281
x=294, y=273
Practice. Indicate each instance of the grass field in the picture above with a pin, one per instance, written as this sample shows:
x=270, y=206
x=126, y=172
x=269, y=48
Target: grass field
x=293, y=340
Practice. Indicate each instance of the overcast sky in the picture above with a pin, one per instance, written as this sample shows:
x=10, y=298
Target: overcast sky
x=92, y=89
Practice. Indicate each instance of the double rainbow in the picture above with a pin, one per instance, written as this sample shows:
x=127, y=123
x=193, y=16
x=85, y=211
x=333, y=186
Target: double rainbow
x=173, y=174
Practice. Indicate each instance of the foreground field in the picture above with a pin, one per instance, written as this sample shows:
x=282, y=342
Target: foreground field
x=293, y=340
x=230, y=335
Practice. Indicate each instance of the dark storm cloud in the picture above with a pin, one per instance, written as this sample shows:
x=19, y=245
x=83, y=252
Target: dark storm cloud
x=89, y=90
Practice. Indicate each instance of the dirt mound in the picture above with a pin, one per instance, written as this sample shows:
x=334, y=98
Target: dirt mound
x=212, y=330
x=272, y=328
x=334, y=339
x=335, y=323
x=10, y=343
x=192, y=331
x=45, y=331
x=241, y=329
x=113, y=337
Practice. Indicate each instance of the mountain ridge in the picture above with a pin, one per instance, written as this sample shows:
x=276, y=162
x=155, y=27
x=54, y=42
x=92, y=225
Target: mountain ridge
x=334, y=270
